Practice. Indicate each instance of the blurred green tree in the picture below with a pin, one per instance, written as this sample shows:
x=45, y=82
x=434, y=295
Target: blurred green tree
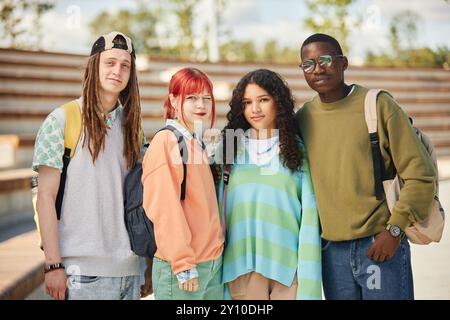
x=442, y=55
x=403, y=31
x=175, y=38
x=238, y=51
x=405, y=51
x=184, y=12
x=12, y=19
x=331, y=17
x=140, y=25
x=270, y=50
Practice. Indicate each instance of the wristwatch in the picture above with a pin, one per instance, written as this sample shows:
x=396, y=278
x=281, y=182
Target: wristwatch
x=394, y=230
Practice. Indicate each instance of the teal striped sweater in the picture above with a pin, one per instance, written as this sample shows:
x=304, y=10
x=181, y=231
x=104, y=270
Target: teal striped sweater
x=272, y=224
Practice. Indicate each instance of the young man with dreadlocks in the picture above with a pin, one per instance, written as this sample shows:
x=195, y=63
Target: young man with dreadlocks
x=87, y=251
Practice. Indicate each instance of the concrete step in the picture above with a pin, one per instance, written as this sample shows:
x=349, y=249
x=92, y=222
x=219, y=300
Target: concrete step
x=50, y=88
x=41, y=73
x=432, y=121
x=16, y=151
x=50, y=60
x=223, y=83
x=36, y=103
x=21, y=266
x=10, y=71
x=15, y=193
x=27, y=123
x=155, y=110
x=24, y=156
x=73, y=88
x=292, y=71
x=9, y=98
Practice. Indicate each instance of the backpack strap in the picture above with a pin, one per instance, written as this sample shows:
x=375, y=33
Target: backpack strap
x=184, y=156
x=370, y=111
x=226, y=178
x=72, y=131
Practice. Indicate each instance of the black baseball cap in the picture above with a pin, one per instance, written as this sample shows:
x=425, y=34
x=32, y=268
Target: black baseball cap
x=106, y=42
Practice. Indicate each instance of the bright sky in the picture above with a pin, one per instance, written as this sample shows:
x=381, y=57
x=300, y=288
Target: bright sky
x=66, y=26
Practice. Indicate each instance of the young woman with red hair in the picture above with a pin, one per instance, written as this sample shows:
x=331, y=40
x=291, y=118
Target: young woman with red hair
x=188, y=234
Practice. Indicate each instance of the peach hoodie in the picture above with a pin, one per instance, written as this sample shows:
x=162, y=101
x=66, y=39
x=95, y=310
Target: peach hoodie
x=186, y=232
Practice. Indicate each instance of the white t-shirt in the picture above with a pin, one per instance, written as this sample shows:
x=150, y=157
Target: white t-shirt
x=261, y=151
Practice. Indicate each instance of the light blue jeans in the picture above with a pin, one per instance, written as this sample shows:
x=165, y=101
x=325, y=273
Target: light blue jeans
x=102, y=288
x=348, y=274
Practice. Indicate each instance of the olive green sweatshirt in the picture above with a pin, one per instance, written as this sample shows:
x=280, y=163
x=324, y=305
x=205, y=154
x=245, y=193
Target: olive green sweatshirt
x=340, y=157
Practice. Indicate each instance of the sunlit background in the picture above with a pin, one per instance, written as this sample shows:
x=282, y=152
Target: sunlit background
x=371, y=31
x=402, y=46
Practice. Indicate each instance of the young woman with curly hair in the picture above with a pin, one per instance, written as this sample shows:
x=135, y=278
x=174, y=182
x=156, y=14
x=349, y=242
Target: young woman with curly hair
x=272, y=226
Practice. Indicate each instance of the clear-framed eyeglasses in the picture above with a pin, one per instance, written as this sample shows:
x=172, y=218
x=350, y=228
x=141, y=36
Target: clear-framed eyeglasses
x=324, y=61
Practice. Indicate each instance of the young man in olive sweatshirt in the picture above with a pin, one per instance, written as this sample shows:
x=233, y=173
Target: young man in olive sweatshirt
x=364, y=253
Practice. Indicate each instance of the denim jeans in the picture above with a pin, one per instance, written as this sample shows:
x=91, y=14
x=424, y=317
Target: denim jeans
x=348, y=274
x=103, y=288
x=165, y=283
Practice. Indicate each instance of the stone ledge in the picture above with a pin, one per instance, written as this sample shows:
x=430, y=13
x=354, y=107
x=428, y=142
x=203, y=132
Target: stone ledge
x=12, y=180
x=21, y=266
x=444, y=168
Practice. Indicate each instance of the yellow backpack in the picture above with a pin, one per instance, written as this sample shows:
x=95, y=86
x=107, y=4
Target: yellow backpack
x=72, y=132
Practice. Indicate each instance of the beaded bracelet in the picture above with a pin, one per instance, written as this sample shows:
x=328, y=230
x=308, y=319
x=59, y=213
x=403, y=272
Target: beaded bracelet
x=54, y=266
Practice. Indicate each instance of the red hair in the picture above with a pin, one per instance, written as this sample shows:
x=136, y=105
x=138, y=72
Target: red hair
x=185, y=82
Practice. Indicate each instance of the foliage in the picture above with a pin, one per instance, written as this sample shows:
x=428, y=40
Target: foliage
x=404, y=50
x=330, y=17
x=140, y=25
x=418, y=57
x=13, y=22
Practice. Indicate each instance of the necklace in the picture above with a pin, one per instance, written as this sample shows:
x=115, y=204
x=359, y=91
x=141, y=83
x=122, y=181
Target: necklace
x=268, y=149
x=262, y=151
x=255, y=145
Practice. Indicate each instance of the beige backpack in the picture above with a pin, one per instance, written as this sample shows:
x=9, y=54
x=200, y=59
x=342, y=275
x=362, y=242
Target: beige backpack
x=422, y=232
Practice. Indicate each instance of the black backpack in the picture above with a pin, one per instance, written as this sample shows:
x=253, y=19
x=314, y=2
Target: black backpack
x=139, y=227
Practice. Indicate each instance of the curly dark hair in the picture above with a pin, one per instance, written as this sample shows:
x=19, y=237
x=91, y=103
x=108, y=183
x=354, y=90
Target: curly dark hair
x=273, y=83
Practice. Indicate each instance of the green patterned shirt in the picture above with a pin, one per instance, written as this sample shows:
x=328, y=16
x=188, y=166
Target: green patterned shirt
x=49, y=144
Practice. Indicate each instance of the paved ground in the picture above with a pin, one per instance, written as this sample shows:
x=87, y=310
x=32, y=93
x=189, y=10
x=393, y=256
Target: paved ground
x=431, y=263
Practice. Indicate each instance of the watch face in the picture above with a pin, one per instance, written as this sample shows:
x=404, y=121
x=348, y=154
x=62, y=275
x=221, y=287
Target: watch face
x=395, y=231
